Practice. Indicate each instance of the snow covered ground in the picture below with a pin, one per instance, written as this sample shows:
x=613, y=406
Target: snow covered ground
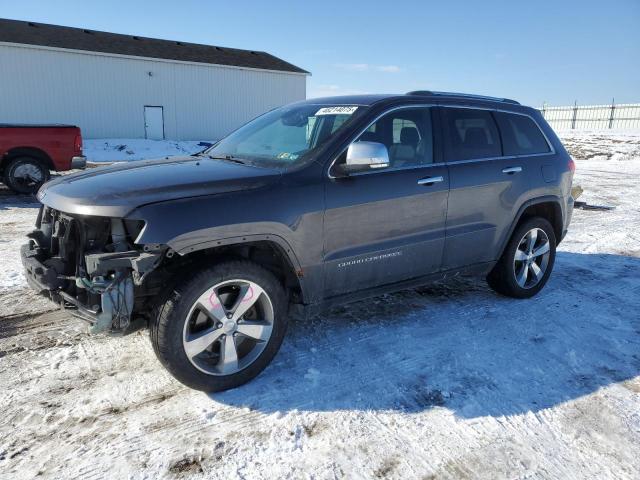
x=127, y=149
x=446, y=381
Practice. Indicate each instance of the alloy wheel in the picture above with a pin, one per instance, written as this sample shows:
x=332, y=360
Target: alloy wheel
x=531, y=258
x=228, y=327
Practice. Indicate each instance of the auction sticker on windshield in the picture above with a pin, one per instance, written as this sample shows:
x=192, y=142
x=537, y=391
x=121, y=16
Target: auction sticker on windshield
x=341, y=110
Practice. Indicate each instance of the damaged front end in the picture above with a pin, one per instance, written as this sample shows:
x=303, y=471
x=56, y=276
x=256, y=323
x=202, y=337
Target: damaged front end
x=92, y=266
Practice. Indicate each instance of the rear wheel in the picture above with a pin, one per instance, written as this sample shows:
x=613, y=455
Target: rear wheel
x=525, y=266
x=222, y=327
x=25, y=174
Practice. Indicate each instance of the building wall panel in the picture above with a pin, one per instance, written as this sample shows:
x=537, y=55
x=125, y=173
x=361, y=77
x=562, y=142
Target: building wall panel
x=105, y=95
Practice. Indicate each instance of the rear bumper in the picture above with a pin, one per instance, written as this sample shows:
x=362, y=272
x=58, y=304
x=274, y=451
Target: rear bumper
x=79, y=162
x=568, y=214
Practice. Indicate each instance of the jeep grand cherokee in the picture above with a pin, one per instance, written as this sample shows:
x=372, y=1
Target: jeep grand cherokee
x=309, y=205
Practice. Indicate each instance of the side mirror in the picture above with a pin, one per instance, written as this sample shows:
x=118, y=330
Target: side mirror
x=363, y=156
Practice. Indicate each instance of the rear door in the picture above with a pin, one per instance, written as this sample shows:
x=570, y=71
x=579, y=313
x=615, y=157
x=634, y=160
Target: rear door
x=486, y=187
x=523, y=138
x=387, y=225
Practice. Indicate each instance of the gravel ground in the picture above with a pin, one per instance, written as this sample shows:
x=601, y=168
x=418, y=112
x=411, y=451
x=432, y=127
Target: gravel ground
x=446, y=381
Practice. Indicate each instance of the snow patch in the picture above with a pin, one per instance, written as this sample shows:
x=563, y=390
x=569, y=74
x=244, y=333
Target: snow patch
x=128, y=149
x=445, y=381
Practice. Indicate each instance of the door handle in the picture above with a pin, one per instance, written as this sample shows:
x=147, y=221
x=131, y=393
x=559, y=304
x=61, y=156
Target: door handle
x=512, y=170
x=430, y=180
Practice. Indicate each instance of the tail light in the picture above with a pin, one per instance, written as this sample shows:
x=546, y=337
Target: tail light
x=77, y=144
x=572, y=165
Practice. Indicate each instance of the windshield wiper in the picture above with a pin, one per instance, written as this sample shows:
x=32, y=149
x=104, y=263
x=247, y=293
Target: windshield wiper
x=228, y=158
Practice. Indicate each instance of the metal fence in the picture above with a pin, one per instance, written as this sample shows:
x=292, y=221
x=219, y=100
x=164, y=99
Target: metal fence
x=593, y=117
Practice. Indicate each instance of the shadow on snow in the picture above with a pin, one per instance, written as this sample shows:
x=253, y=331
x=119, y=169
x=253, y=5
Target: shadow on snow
x=12, y=200
x=460, y=346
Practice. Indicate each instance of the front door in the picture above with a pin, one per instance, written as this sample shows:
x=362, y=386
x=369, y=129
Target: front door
x=387, y=225
x=153, y=123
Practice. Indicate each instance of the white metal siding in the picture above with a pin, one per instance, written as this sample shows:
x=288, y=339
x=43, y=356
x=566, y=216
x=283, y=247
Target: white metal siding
x=105, y=95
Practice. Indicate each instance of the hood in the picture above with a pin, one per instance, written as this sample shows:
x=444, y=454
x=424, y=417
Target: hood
x=116, y=190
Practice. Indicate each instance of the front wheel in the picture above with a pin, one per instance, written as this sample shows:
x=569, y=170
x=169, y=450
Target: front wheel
x=525, y=266
x=222, y=327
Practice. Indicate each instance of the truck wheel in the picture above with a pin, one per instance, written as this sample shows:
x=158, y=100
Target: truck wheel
x=222, y=327
x=525, y=265
x=25, y=174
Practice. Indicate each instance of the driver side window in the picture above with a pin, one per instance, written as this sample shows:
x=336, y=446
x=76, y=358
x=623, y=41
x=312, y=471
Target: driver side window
x=407, y=134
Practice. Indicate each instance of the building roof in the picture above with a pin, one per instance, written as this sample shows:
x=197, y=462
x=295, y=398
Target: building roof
x=42, y=34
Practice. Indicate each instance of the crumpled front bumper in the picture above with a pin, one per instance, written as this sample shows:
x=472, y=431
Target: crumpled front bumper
x=115, y=295
x=44, y=280
x=40, y=277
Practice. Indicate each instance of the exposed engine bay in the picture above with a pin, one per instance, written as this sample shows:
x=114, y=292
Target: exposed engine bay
x=92, y=266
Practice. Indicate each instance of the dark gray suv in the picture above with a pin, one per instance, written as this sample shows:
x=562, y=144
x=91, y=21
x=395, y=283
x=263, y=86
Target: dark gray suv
x=309, y=205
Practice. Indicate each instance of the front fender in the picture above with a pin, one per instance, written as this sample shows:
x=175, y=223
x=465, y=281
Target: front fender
x=289, y=217
x=194, y=224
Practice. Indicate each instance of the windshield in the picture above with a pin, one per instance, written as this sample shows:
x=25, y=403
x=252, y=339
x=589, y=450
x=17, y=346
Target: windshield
x=285, y=136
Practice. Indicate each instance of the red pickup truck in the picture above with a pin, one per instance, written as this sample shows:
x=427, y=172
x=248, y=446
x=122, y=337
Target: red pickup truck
x=29, y=152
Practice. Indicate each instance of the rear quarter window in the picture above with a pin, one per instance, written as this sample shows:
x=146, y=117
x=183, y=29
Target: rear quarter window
x=470, y=134
x=520, y=135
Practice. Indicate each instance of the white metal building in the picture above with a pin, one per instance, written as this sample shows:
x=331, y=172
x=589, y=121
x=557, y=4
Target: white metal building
x=122, y=86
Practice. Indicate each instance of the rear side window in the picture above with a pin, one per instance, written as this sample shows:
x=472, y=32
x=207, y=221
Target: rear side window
x=470, y=134
x=520, y=135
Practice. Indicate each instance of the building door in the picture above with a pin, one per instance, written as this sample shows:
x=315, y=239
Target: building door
x=153, y=123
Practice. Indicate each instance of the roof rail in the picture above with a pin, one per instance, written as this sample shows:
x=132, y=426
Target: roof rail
x=428, y=93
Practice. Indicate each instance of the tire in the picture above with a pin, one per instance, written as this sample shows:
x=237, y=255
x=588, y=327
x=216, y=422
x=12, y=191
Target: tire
x=25, y=175
x=508, y=274
x=182, y=321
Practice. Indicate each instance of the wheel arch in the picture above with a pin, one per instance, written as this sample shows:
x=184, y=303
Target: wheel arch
x=32, y=152
x=548, y=207
x=270, y=251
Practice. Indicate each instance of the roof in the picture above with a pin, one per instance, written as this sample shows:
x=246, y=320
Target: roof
x=362, y=100
x=469, y=96
x=441, y=97
x=42, y=34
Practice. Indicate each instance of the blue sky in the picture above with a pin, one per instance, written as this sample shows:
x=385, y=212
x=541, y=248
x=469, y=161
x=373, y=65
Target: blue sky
x=553, y=51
